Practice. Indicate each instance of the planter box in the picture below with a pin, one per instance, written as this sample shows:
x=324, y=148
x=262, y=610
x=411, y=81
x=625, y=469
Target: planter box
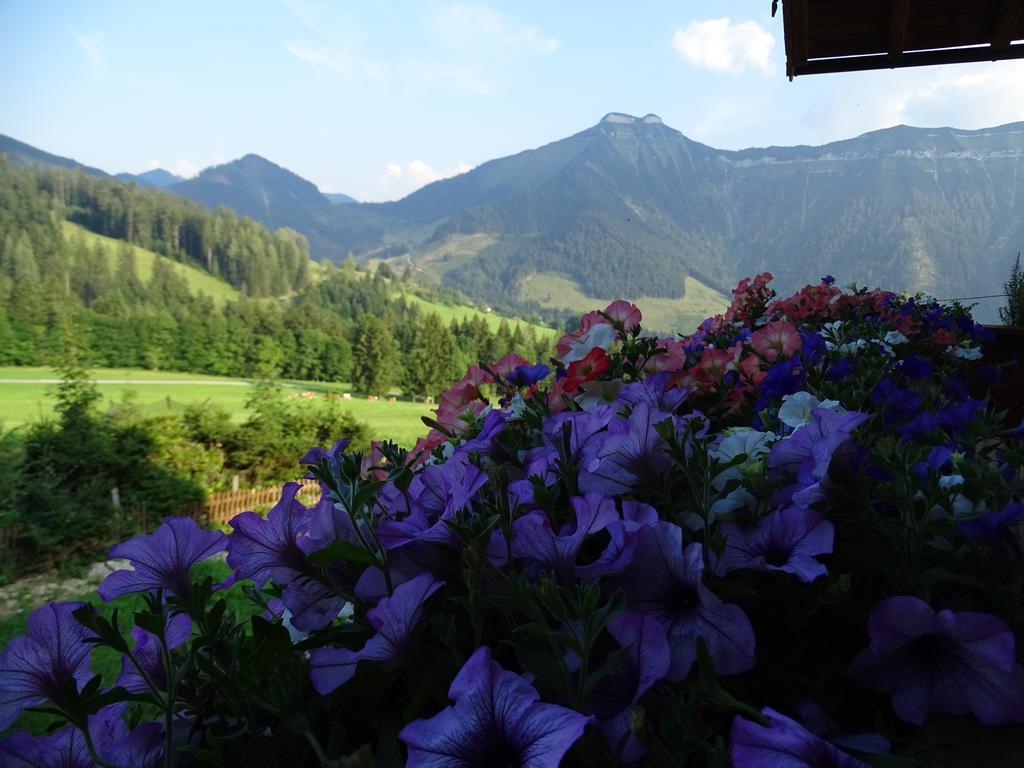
x=1009, y=394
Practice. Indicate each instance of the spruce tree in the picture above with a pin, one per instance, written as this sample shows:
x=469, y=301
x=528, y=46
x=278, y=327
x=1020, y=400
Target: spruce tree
x=433, y=360
x=1013, y=312
x=375, y=357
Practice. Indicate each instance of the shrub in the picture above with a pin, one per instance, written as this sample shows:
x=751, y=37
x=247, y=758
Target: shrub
x=787, y=538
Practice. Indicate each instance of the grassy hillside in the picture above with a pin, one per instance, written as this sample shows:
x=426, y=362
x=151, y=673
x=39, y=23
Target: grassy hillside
x=439, y=258
x=26, y=395
x=553, y=290
x=449, y=312
x=198, y=280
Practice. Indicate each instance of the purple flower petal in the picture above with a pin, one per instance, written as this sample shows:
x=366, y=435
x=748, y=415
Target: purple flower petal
x=630, y=453
x=667, y=582
x=647, y=661
x=149, y=655
x=953, y=662
x=787, y=540
x=783, y=744
x=496, y=720
x=162, y=559
x=36, y=666
x=533, y=538
x=267, y=548
x=394, y=618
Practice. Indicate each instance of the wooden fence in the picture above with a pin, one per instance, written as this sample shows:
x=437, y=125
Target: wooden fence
x=218, y=509
x=221, y=507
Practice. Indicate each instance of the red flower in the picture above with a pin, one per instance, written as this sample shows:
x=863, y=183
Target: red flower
x=590, y=367
x=775, y=340
x=673, y=359
x=715, y=363
x=944, y=338
x=623, y=313
x=560, y=390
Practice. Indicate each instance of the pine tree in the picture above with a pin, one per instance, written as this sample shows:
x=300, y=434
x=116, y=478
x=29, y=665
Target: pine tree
x=375, y=357
x=1013, y=312
x=433, y=359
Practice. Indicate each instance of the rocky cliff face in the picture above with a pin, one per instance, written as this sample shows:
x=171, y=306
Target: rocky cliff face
x=630, y=206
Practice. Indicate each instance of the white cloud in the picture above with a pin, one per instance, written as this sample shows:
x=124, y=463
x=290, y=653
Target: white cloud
x=456, y=78
x=184, y=168
x=966, y=96
x=470, y=25
x=721, y=46
x=341, y=61
x=91, y=45
x=399, y=180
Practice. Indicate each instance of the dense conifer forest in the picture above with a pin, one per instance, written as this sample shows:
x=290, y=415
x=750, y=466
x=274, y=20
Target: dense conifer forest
x=292, y=319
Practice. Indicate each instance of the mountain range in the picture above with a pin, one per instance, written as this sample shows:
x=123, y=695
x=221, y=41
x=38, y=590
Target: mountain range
x=631, y=207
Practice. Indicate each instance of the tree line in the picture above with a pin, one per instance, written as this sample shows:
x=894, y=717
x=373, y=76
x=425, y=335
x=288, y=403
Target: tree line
x=347, y=326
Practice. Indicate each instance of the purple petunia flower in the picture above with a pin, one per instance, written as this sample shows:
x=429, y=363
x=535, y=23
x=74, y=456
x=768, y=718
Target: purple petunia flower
x=1017, y=431
x=956, y=417
x=496, y=720
x=394, y=618
x=149, y=655
x=783, y=744
x=918, y=427
x=953, y=662
x=525, y=375
x=809, y=450
x=62, y=749
x=38, y=665
x=840, y=369
x=652, y=391
x=896, y=403
x=484, y=442
x=786, y=540
x=142, y=747
x=667, y=582
x=783, y=377
x=647, y=661
x=990, y=525
x=630, y=453
x=332, y=456
x=267, y=548
x=162, y=559
x=437, y=495
x=533, y=538
x=915, y=367
x=622, y=534
x=584, y=427
x=938, y=459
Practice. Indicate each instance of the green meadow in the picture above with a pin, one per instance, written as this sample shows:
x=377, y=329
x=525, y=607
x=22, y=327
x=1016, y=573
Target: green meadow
x=26, y=395
x=664, y=315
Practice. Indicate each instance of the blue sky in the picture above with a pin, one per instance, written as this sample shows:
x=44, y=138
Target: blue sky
x=377, y=98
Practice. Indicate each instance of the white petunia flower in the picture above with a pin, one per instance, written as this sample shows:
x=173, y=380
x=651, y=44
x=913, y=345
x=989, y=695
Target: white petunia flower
x=968, y=353
x=950, y=481
x=796, y=408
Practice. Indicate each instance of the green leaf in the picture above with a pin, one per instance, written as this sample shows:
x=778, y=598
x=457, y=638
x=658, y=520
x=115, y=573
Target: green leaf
x=154, y=623
x=341, y=550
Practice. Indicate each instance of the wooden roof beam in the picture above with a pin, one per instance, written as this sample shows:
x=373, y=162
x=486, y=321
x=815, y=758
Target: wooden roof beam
x=1005, y=23
x=912, y=59
x=794, y=16
x=898, y=27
